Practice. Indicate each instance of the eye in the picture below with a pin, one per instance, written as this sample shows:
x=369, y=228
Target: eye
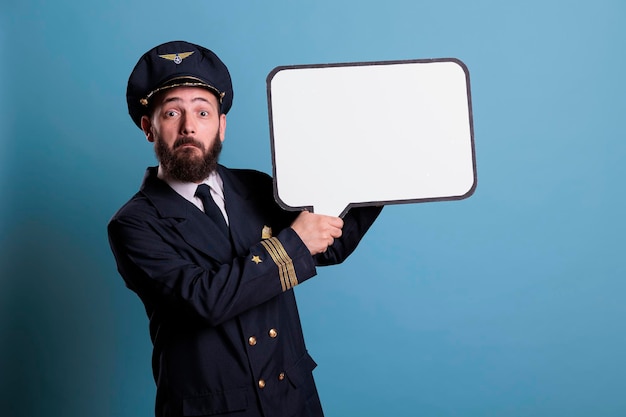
x=204, y=113
x=171, y=113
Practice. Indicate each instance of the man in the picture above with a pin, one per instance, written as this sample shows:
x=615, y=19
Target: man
x=215, y=266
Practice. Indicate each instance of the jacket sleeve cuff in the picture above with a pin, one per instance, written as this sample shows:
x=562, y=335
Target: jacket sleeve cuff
x=292, y=258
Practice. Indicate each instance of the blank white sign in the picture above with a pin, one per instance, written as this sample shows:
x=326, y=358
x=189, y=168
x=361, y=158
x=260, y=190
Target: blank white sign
x=371, y=133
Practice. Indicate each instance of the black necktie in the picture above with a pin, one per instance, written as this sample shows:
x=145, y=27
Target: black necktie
x=210, y=208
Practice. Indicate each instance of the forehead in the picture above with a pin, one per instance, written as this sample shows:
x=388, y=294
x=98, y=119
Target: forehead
x=187, y=94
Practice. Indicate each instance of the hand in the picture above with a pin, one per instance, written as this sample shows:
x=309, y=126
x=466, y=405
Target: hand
x=317, y=231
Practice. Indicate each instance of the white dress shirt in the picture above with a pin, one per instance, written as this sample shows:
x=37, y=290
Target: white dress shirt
x=188, y=190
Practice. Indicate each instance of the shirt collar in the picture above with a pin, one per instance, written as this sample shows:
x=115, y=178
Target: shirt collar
x=188, y=189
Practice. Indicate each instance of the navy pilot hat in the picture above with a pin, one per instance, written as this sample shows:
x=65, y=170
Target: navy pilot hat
x=176, y=64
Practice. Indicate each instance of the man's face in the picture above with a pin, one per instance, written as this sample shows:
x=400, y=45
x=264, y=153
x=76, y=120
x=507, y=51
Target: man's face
x=187, y=130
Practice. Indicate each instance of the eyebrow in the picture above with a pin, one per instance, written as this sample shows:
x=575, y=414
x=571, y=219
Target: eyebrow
x=171, y=99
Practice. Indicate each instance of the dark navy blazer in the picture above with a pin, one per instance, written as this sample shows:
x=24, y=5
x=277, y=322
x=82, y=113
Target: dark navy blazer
x=223, y=318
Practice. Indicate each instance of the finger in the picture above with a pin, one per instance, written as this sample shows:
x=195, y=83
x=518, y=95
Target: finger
x=336, y=232
x=335, y=222
x=332, y=220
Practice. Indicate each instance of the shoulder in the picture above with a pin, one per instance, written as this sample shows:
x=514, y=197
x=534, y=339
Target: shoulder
x=253, y=181
x=154, y=199
x=139, y=207
x=249, y=175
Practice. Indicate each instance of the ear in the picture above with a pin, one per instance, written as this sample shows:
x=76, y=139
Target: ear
x=146, y=126
x=222, y=127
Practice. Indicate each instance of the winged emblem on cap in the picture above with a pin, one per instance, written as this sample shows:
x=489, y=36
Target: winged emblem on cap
x=177, y=58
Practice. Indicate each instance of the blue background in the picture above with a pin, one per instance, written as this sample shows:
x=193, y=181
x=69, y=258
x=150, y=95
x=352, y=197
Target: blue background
x=509, y=303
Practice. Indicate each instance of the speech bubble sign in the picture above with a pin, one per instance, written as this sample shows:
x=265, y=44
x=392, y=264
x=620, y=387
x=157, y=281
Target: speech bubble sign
x=371, y=133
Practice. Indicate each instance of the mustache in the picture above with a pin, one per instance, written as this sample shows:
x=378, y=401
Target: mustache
x=186, y=140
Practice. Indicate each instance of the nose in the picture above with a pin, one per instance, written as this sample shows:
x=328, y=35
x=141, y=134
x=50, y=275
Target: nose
x=187, y=125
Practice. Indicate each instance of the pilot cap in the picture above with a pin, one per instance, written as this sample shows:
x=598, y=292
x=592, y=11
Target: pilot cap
x=176, y=64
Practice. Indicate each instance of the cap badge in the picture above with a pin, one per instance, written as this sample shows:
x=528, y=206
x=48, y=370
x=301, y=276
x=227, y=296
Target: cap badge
x=177, y=58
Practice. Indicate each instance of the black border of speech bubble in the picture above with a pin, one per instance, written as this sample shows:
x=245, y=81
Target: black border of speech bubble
x=276, y=70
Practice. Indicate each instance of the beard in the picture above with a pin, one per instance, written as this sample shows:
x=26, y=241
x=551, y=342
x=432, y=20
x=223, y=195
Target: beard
x=182, y=163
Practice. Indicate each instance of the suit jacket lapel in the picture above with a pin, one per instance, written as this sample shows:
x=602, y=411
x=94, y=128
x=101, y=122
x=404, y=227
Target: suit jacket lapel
x=240, y=212
x=193, y=226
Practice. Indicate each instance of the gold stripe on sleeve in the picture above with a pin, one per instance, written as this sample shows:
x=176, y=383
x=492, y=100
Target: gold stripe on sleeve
x=285, y=265
x=276, y=258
